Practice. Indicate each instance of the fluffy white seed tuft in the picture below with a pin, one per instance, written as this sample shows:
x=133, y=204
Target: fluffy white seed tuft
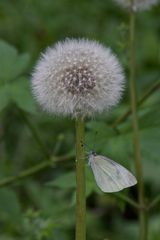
x=77, y=77
x=137, y=5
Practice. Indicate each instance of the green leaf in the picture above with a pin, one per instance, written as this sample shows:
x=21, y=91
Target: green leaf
x=21, y=95
x=65, y=181
x=4, y=97
x=12, y=64
x=68, y=181
x=150, y=117
x=18, y=92
x=9, y=206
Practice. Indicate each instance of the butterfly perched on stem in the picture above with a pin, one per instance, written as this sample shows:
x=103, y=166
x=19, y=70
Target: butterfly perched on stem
x=110, y=176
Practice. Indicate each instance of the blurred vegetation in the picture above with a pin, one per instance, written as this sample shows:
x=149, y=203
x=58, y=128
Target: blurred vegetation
x=41, y=205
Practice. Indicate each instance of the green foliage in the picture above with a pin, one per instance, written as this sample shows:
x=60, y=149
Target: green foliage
x=42, y=206
x=68, y=182
x=12, y=64
x=9, y=206
x=14, y=87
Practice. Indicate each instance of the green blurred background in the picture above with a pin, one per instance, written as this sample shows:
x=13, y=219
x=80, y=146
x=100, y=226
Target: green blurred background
x=42, y=205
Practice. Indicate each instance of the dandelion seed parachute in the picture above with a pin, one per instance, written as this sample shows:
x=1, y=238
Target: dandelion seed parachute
x=77, y=77
x=137, y=4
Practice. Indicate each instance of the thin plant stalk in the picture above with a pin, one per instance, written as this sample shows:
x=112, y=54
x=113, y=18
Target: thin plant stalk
x=33, y=170
x=147, y=93
x=136, y=135
x=80, y=179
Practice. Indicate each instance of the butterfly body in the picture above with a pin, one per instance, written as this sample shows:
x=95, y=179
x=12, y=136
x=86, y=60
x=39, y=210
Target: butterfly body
x=110, y=176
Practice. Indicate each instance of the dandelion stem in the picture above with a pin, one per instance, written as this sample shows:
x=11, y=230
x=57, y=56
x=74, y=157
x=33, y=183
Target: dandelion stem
x=136, y=137
x=80, y=179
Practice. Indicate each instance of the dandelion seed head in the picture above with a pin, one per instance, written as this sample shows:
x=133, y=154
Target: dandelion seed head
x=77, y=77
x=137, y=5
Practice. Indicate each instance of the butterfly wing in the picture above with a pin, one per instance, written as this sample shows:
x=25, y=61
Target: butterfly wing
x=111, y=176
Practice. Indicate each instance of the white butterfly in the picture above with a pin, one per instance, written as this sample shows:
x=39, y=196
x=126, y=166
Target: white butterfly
x=110, y=176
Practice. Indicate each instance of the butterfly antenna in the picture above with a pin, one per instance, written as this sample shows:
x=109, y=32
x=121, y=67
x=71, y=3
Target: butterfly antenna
x=85, y=147
x=94, y=143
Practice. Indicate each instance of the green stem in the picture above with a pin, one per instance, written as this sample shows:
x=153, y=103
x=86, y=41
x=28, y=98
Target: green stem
x=33, y=170
x=126, y=199
x=80, y=179
x=136, y=137
x=154, y=202
x=149, y=91
x=34, y=133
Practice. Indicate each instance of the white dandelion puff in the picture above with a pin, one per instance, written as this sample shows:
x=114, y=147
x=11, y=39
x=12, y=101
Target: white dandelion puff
x=77, y=77
x=137, y=5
